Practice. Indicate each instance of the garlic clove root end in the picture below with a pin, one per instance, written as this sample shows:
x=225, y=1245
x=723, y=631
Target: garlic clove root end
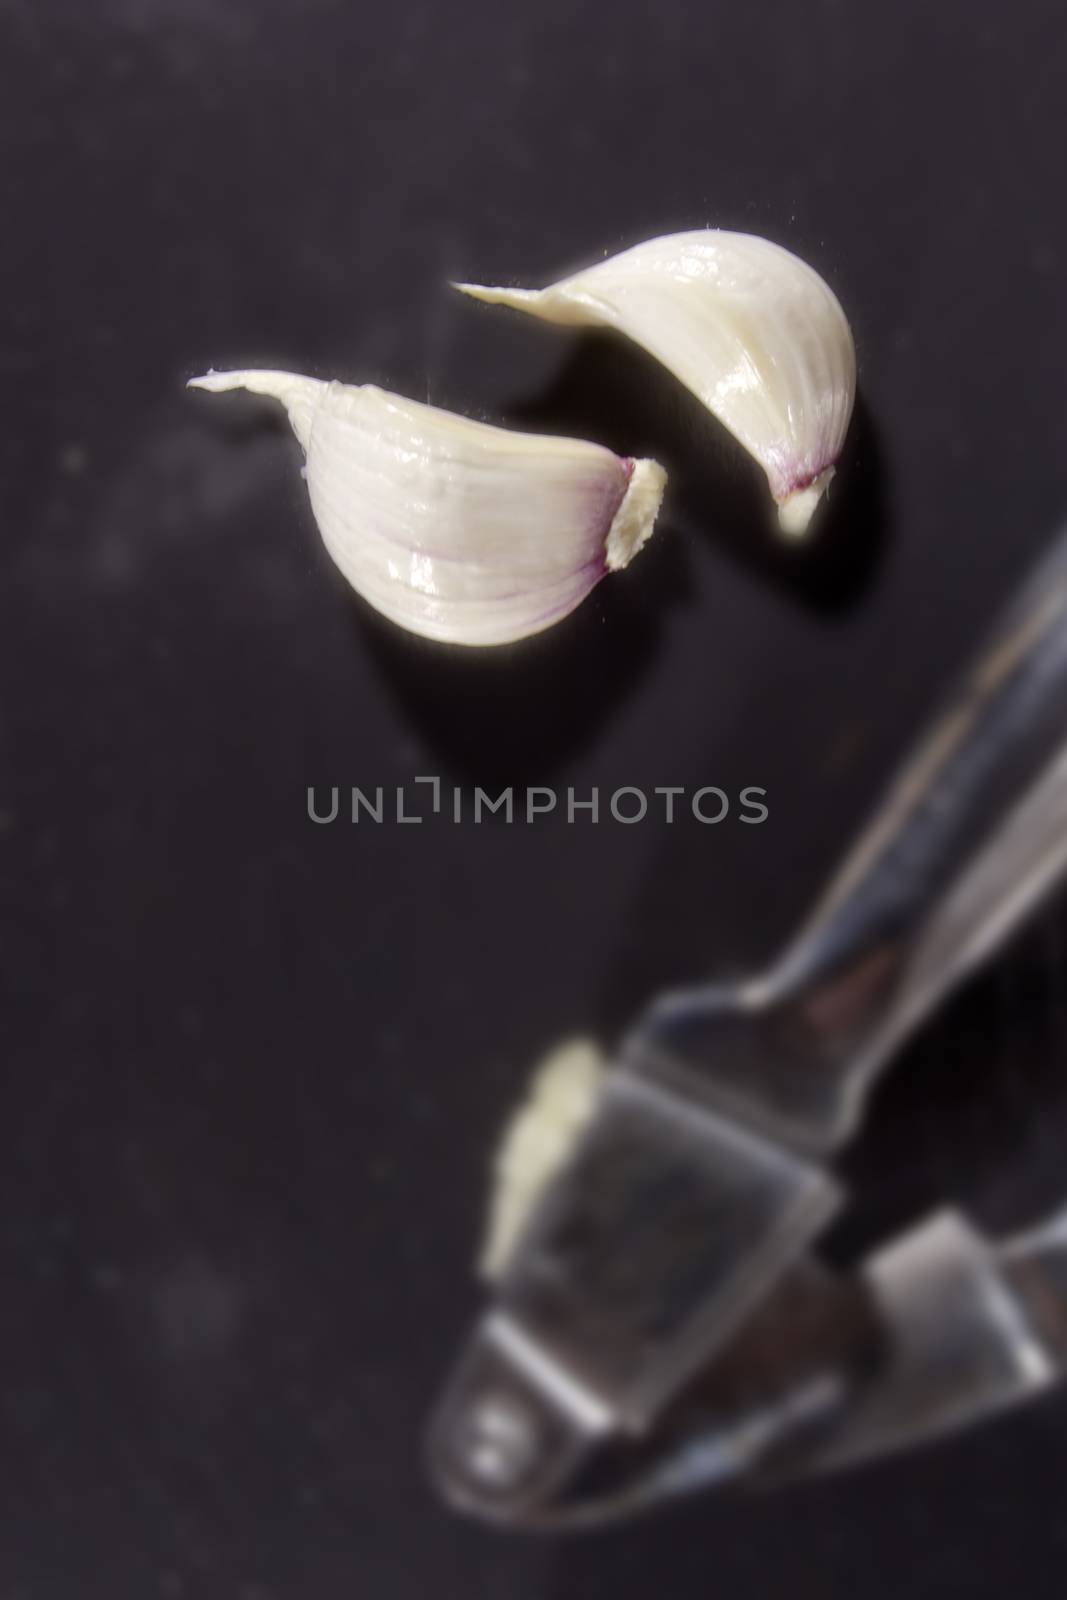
x=632, y=525
x=797, y=509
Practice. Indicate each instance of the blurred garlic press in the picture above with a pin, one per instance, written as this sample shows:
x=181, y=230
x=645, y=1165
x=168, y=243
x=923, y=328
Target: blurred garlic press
x=661, y=1324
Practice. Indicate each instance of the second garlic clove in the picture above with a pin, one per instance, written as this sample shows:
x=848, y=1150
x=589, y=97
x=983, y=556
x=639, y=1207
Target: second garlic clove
x=751, y=329
x=453, y=529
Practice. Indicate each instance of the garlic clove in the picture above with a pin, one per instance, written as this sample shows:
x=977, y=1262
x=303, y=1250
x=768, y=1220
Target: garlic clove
x=451, y=528
x=751, y=329
x=537, y=1141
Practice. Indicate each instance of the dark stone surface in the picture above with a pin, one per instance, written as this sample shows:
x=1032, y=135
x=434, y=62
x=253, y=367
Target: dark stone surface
x=252, y=1068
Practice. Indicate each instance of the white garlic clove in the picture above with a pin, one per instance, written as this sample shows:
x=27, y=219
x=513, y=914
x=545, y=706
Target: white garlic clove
x=537, y=1141
x=451, y=528
x=752, y=330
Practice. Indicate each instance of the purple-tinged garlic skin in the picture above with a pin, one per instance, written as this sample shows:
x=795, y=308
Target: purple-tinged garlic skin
x=453, y=529
x=752, y=330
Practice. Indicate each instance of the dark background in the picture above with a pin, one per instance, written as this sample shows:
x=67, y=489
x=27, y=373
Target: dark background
x=252, y=1069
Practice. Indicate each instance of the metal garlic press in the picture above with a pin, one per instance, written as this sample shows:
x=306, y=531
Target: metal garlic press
x=663, y=1324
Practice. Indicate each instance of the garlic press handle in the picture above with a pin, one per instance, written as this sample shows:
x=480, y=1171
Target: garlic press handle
x=970, y=837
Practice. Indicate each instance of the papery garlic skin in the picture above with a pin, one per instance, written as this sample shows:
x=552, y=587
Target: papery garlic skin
x=537, y=1141
x=751, y=329
x=453, y=529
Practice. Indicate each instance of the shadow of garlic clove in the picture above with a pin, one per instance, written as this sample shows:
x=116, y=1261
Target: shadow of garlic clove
x=451, y=528
x=751, y=329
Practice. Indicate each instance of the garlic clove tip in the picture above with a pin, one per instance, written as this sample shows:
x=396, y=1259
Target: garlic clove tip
x=497, y=297
x=299, y=395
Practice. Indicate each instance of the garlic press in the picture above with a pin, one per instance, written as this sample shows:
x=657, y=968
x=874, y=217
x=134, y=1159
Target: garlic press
x=664, y=1323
